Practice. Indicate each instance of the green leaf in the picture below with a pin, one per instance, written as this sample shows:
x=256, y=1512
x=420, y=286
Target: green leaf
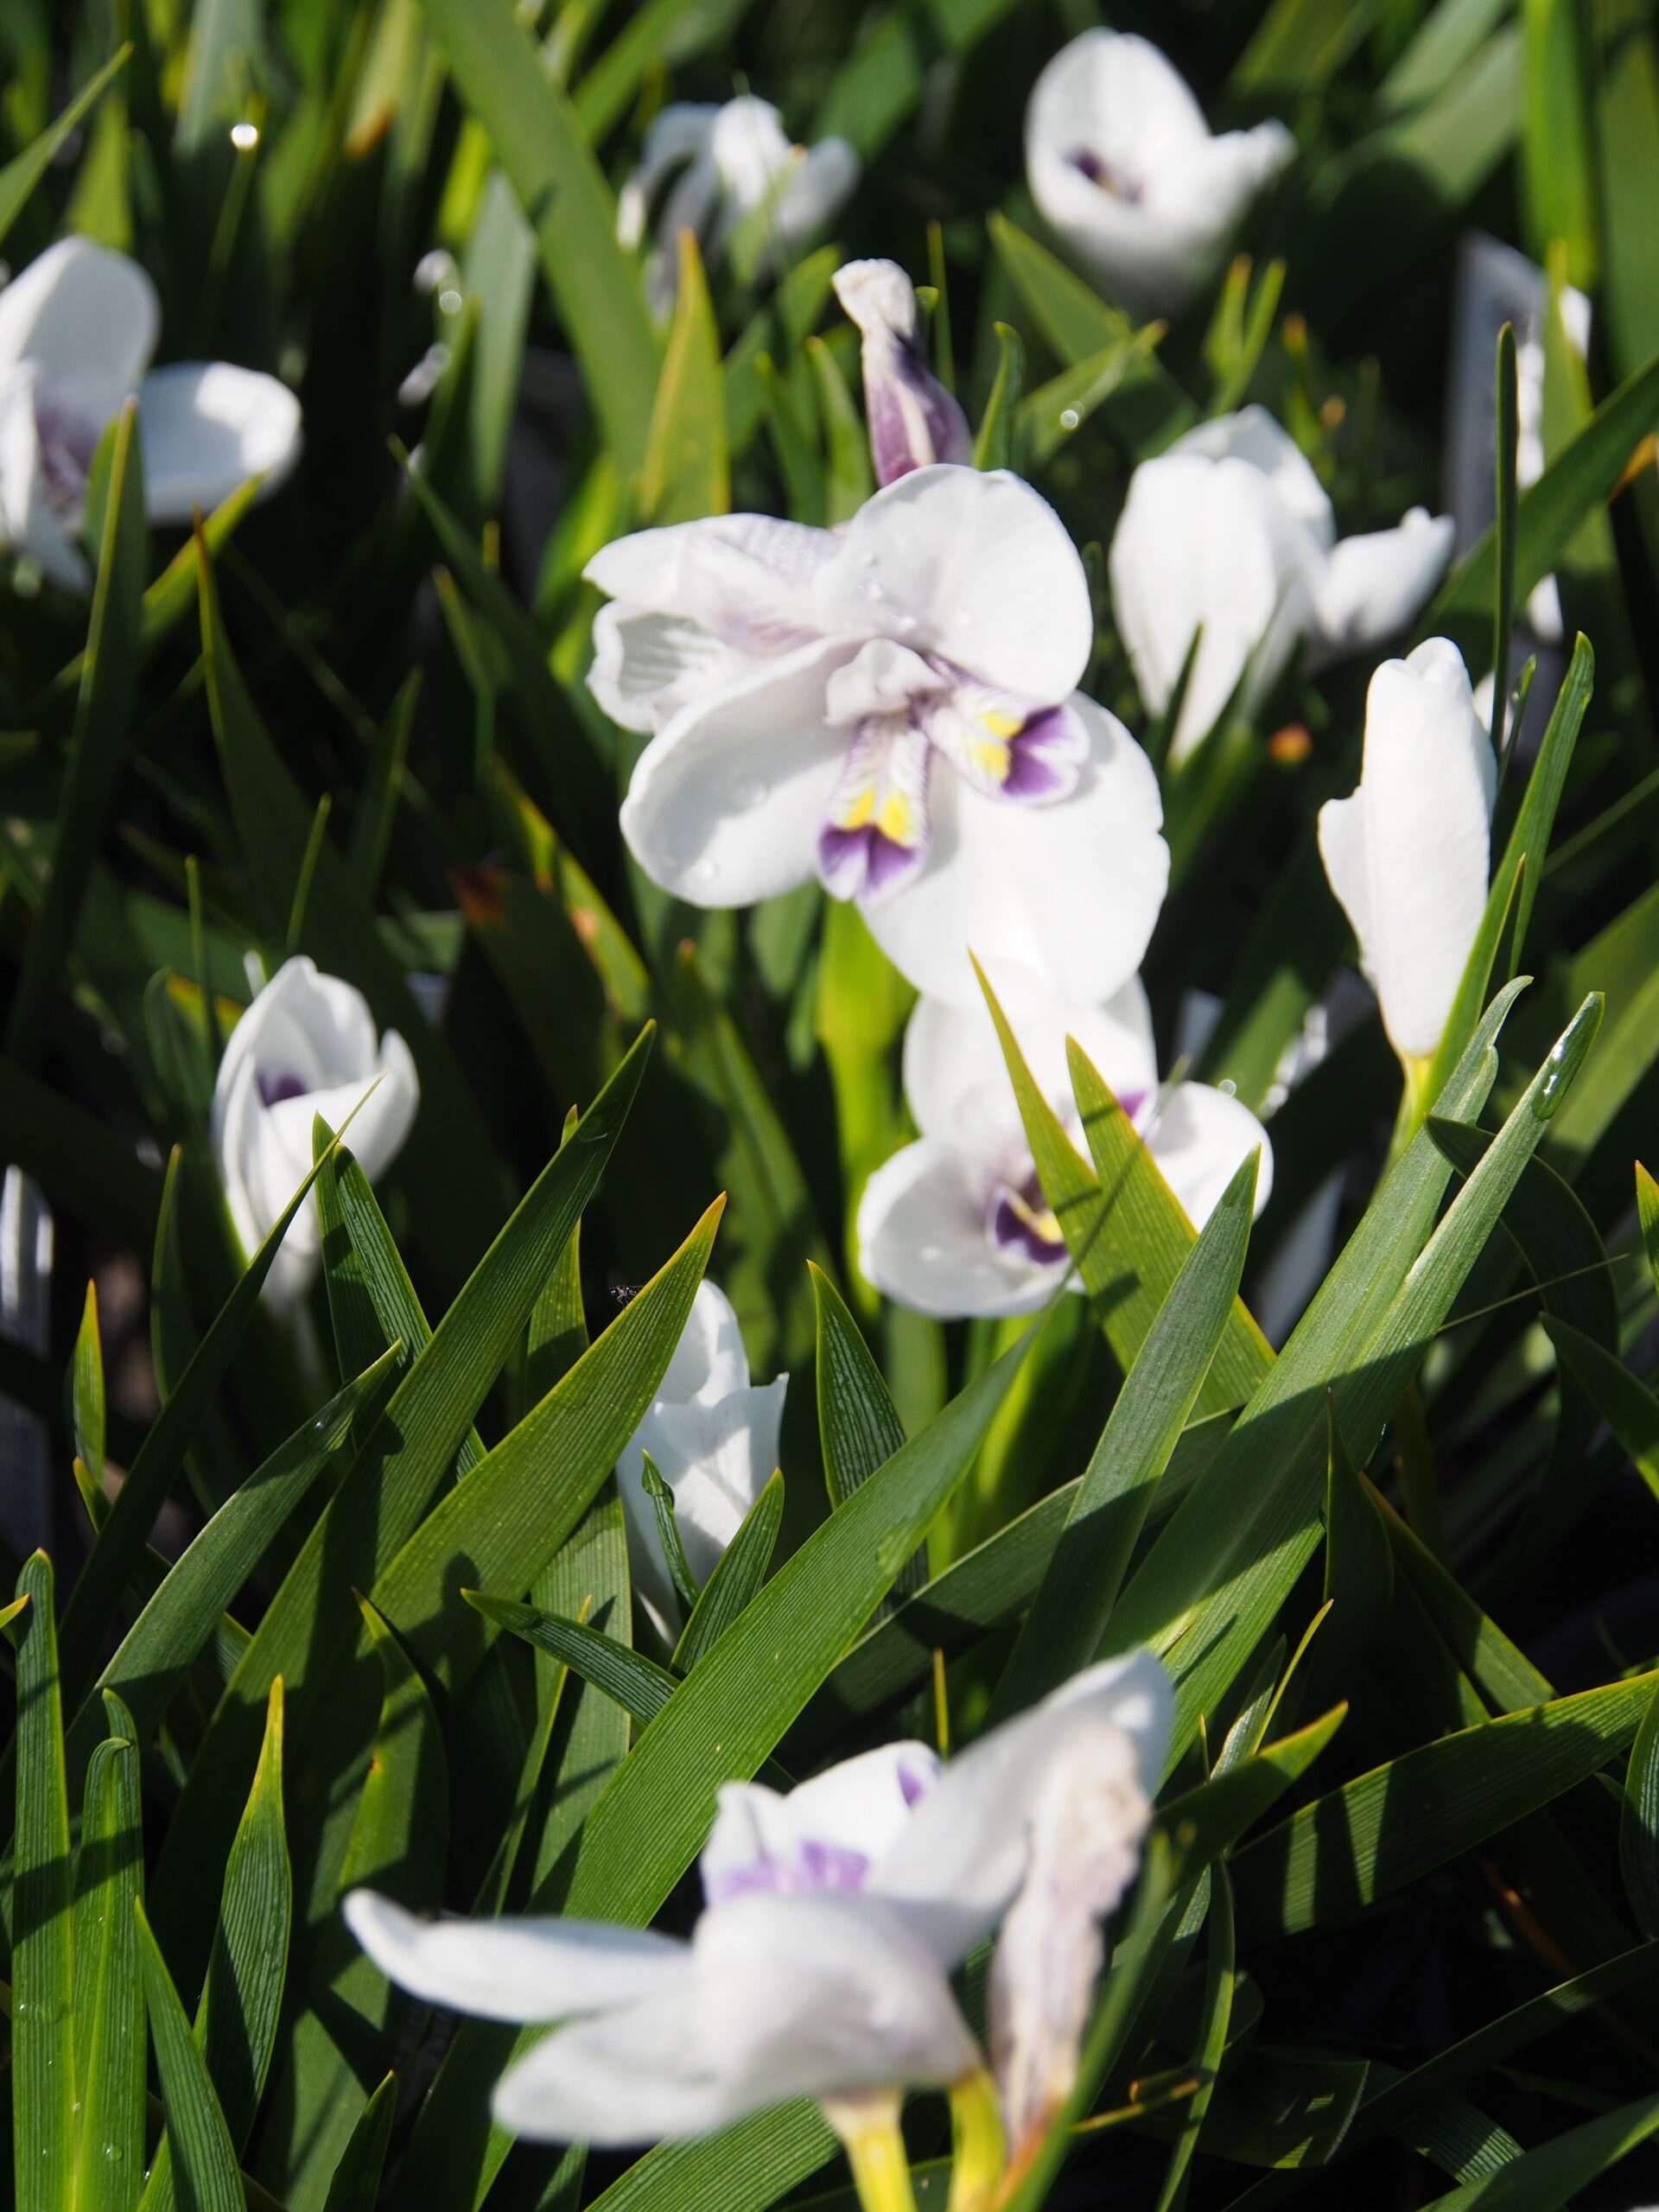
x=994, y=441
x=82, y=1166
x=311, y=1630
x=1628, y=1407
x=545, y=154
x=356, y=2183
x=737, y=1577
x=241, y=1999
x=1228, y=1557
x=1505, y=434
x=1403, y=1820
x=43, y=1958
x=87, y=1388
x=204, y=2162
x=848, y=479
x=1122, y=1225
x=639, y=1684
x=1546, y=2178
x=1221, y=1978
x=121, y=1541
x=1049, y=415
x=1638, y=1827
x=1358, y=1564
x=1557, y=159
x=1299, y=45
x=109, y=1995
x=1069, y=1617
x=24, y=171
x=448, y=1155
x=684, y=474
x=102, y=713
x=668, y=1535
x=1647, y=1207
x=179, y=1618
x=859, y=1427
x=398, y=1845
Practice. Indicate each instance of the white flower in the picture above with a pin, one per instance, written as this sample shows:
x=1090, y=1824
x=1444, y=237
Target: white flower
x=77, y=330
x=714, y=1440
x=1231, y=530
x=1121, y=163
x=305, y=1047
x=957, y=1223
x=1410, y=852
x=912, y=419
x=834, y=1914
x=892, y=707
x=712, y=166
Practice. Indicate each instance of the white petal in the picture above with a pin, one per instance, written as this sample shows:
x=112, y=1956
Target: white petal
x=680, y=132
x=1068, y=891
x=824, y=1833
x=709, y=1362
x=207, y=427
x=963, y=1857
x=923, y=1240
x=516, y=1969
x=1255, y=436
x=1207, y=542
x=648, y=665
x=1200, y=1139
x=971, y=565
x=746, y=579
x=1408, y=854
x=751, y=150
x=88, y=318
x=725, y=805
x=793, y=1996
x=716, y=1458
x=1373, y=585
x=957, y=1083
x=823, y=180
x=28, y=521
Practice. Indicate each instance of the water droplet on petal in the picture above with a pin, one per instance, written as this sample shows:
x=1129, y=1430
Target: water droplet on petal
x=701, y=871
x=747, y=791
x=866, y=560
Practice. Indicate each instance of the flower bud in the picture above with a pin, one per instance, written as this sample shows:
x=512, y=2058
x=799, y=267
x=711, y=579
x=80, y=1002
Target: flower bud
x=913, y=420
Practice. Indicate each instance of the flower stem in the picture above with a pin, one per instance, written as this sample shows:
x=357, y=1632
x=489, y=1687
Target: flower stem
x=869, y=2132
x=981, y=2152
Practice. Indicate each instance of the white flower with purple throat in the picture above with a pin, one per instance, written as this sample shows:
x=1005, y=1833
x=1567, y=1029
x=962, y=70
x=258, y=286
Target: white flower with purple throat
x=957, y=1223
x=893, y=708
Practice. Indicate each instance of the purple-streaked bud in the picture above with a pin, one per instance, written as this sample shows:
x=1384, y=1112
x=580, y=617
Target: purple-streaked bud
x=913, y=420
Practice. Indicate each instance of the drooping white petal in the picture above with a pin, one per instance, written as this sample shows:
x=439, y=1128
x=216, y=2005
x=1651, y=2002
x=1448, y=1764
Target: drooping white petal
x=726, y=802
x=517, y=1970
x=825, y=1834
x=207, y=427
x=87, y=318
x=1068, y=891
x=28, y=521
x=793, y=1996
x=1087, y=1821
x=1200, y=1137
x=715, y=1459
x=751, y=150
x=648, y=665
x=1120, y=162
x=746, y=579
x=678, y=133
x=922, y=1239
x=971, y=565
x=1207, y=544
x=963, y=1854
x=1374, y=584
x=1257, y=438
x=1408, y=854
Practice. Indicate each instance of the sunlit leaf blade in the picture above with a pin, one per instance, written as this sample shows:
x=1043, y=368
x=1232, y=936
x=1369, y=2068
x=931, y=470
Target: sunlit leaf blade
x=42, y=1972
x=736, y=1577
x=109, y=1994
x=685, y=472
x=24, y=171
x=202, y=2156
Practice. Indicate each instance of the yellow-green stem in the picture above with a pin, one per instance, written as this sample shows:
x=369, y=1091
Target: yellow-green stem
x=981, y=2152
x=869, y=2132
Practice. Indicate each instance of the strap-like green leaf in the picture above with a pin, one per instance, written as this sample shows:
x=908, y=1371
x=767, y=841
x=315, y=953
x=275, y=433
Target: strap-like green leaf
x=109, y=1995
x=202, y=2155
x=737, y=1576
x=43, y=2030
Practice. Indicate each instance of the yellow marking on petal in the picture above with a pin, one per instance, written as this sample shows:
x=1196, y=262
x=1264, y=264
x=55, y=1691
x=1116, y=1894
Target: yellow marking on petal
x=856, y=811
x=991, y=757
x=1002, y=724
x=895, y=820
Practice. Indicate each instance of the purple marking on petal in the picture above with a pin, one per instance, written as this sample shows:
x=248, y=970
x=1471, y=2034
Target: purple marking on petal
x=67, y=443
x=1046, y=754
x=1132, y=1102
x=888, y=864
x=914, y=1783
x=1014, y=1229
x=1107, y=176
x=931, y=428
x=812, y=1866
x=276, y=1084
